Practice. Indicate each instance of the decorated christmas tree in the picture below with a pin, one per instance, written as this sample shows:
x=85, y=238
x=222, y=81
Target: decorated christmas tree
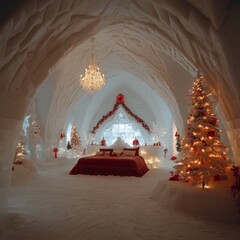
x=204, y=156
x=20, y=153
x=75, y=139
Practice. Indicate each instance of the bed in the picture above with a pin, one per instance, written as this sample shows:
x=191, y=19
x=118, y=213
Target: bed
x=125, y=162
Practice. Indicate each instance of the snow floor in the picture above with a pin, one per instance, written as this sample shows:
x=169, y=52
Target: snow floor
x=45, y=202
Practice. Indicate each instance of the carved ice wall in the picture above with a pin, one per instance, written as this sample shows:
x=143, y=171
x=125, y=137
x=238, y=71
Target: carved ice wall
x=146, y=39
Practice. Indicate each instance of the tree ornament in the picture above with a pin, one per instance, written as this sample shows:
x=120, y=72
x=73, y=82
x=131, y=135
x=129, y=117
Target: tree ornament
x=213, y=121
x=211, y=134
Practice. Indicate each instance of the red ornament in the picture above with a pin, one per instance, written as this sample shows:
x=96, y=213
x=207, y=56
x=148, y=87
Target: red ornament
x=211, y=134
x=217, y=177
x=173, y=158
x=175, y=177
x=213, y=121
x=195, y=150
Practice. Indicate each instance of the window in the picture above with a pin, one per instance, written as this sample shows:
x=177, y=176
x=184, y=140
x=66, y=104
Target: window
x=122, y=126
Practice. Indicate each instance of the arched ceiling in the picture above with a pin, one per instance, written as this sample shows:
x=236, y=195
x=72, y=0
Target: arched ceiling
x=161, y=43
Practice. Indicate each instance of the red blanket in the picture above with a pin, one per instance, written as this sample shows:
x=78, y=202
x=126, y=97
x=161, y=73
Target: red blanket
x=109, y=165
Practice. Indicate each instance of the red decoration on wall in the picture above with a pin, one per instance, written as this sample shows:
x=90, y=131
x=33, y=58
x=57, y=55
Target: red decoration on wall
x=103, y=142
x=120, y=101
x=120, y=98
x=165, y=152
x=135, y=142
x=55, y=150
x=62, y=135
x=157, y=144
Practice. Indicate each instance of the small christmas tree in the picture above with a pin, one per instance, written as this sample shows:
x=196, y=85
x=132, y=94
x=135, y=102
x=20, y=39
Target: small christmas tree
x=20, y=153
x=204, y=156
x=68, y=146
x=75, y=139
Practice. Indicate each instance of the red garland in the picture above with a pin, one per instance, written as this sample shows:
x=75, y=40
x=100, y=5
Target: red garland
x=120, y=101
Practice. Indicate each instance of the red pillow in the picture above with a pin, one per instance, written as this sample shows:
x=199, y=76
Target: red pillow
x=106, y=150
x=133, y=149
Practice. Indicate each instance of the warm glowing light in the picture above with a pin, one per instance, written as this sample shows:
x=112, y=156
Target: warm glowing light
x=93, y=80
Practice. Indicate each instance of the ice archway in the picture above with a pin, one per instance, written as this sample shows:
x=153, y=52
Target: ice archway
x=161, y=43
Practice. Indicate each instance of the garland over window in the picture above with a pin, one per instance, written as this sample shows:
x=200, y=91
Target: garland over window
x=120, y=100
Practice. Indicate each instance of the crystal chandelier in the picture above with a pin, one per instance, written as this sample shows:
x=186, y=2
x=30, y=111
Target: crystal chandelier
x=93, y=80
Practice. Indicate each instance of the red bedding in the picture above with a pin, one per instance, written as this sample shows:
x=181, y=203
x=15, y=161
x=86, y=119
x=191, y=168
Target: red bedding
x=109, y=165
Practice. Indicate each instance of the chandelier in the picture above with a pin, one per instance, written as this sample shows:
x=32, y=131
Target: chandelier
x=93, y=80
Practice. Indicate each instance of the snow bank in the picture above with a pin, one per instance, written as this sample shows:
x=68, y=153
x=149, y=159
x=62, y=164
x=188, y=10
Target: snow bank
x=23, y=173
x=214, y=203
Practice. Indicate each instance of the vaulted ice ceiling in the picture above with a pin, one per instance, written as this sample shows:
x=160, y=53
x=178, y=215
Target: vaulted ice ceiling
x=160, y=43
